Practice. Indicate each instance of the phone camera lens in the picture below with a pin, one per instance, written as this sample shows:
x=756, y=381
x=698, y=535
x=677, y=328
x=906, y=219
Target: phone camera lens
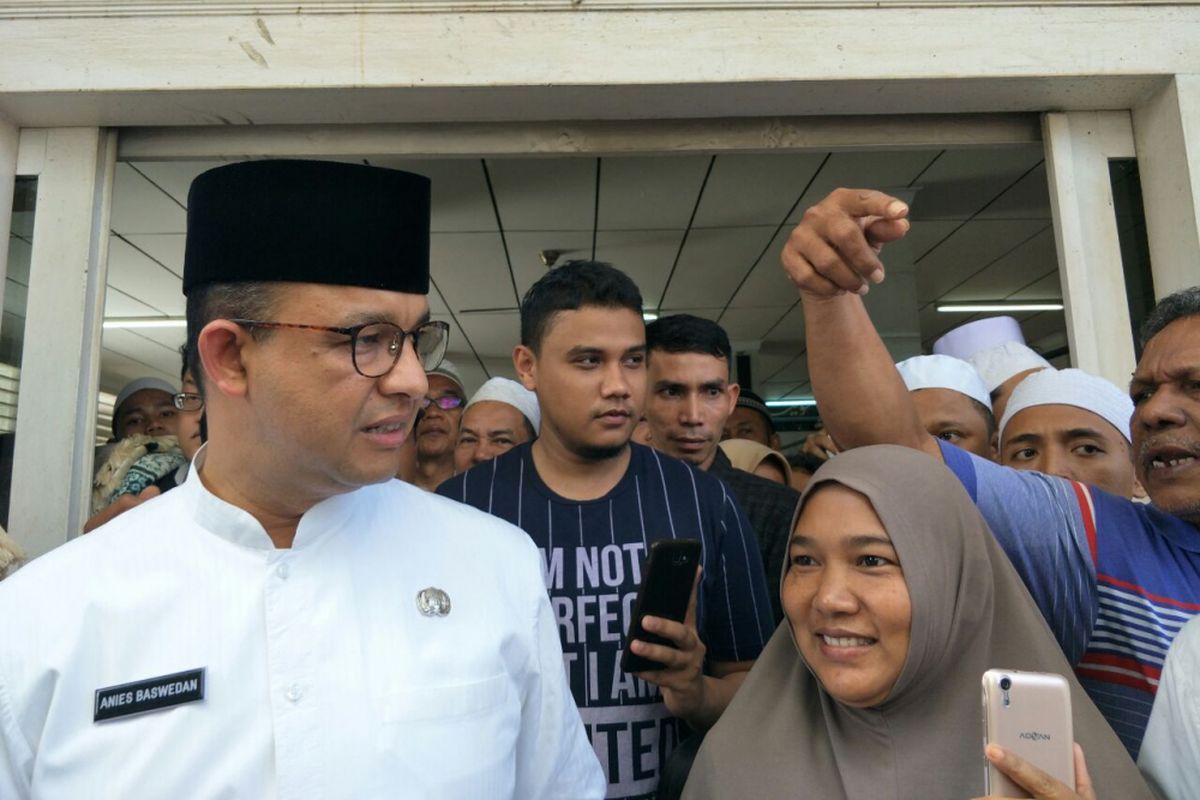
x=1005, y=683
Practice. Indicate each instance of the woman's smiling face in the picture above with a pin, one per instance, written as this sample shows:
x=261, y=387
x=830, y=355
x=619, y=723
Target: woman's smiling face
x=845, y=597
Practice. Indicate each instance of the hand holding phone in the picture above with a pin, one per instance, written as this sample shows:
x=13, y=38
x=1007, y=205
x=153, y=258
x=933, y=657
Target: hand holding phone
x=665, y=591
x=1029, y=714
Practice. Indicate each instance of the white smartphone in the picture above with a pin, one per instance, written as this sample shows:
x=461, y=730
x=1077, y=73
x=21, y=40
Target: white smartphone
x=1028, y=713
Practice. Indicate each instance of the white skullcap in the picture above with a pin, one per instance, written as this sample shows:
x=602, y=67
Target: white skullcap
x=982, y=334
x=998, y=364
x=140, y=384
x=447, y=370
x=1071, y=387
x=944, y=372
x=503, y=390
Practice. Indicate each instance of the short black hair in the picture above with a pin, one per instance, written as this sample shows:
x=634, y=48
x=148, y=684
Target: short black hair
x=1184, y=303
x=684, y=333
x=183, y=357
x=250, y=300
x=570, y=287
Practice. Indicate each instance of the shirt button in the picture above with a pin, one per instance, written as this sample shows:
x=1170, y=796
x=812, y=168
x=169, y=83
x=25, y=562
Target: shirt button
x=294, y=693
x=283, y=571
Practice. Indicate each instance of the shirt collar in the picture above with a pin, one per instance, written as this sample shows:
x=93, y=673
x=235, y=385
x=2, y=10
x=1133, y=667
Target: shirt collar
x=720, y=461
x=239, y=527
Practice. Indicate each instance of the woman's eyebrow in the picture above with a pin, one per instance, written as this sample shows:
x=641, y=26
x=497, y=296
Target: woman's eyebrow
x=862, y=540
x=869, y=540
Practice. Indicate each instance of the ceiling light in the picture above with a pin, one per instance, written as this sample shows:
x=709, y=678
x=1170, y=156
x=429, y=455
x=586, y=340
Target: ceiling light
x=976, y=308
x=145, y=322
x=803, y=401
x=649, y=316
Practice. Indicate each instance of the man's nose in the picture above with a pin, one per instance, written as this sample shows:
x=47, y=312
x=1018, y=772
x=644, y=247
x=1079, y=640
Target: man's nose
x=406, y=377
x=616, y=384
x=1161, y=409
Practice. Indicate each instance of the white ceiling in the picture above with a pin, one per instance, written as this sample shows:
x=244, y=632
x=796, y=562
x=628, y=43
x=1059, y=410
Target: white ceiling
x=698, y=233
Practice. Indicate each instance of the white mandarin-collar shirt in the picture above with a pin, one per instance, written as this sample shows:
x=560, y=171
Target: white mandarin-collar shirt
x=1170, y=754
x=323, y=678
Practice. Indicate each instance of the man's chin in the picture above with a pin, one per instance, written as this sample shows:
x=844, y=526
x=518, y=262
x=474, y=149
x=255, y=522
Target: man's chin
x=433, y=448
x=1186, y=507
x=692, y=457
x=596, y=452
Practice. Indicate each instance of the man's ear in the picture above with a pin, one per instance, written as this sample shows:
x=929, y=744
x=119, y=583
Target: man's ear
x=775, y=441
x=221, y=345
x=525, y=363
x=734, y=392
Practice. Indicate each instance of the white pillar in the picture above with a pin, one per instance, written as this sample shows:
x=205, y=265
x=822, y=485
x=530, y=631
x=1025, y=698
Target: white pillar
x=1078, y=147
x=1167, y=133
x=59, y=364
x=9, y=136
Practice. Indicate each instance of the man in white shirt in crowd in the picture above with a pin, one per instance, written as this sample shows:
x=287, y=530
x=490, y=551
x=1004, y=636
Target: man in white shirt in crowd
x=282, y=625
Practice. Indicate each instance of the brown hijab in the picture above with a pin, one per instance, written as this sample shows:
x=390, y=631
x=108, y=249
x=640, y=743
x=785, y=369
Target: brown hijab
x=783, y=736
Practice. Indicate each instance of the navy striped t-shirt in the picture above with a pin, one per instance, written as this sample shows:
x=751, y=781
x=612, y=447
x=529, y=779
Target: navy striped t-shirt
x=592, y=555
x=1115, y=580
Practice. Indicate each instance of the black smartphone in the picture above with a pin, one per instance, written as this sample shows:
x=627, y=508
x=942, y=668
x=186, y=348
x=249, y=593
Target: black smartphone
x=666, y=588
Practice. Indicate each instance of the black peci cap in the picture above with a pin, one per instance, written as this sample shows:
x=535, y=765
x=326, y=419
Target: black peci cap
x=311, y=222
x=748, y=399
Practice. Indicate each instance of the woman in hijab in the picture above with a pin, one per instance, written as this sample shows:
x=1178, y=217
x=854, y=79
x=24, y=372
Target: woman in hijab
x=897, y=600
x=758, y=459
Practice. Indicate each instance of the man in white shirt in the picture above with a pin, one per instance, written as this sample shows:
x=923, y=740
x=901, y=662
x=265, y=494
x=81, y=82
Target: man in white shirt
x=1170, y=755
x=282, y=624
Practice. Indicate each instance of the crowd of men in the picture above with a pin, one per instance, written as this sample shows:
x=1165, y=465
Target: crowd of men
x=259, y=593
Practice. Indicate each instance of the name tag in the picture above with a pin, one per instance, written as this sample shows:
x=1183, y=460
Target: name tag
x=149, y=695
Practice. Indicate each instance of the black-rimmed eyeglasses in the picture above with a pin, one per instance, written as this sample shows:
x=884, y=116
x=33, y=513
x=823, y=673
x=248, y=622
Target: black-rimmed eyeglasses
x=375, y=347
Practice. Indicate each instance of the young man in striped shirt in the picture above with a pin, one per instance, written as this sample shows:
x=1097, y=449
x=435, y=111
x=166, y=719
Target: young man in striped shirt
x=1115, y=580
x=594, y=503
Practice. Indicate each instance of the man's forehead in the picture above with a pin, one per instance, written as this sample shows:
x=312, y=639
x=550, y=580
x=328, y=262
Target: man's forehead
x=345, y=302
x=443, y=385
x=592, y=327
x=688, y=367
x=489, y=414
x=742, y=415
x=1058, y=417
x=1174, y=350
x=145, y=398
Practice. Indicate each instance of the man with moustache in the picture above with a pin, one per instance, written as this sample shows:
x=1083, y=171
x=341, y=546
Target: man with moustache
x=283, y=624
x=689, y=400
x=437, y=430
x=1116, y=580
x=500, y=416
x=144, y=407
x=594, y=504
